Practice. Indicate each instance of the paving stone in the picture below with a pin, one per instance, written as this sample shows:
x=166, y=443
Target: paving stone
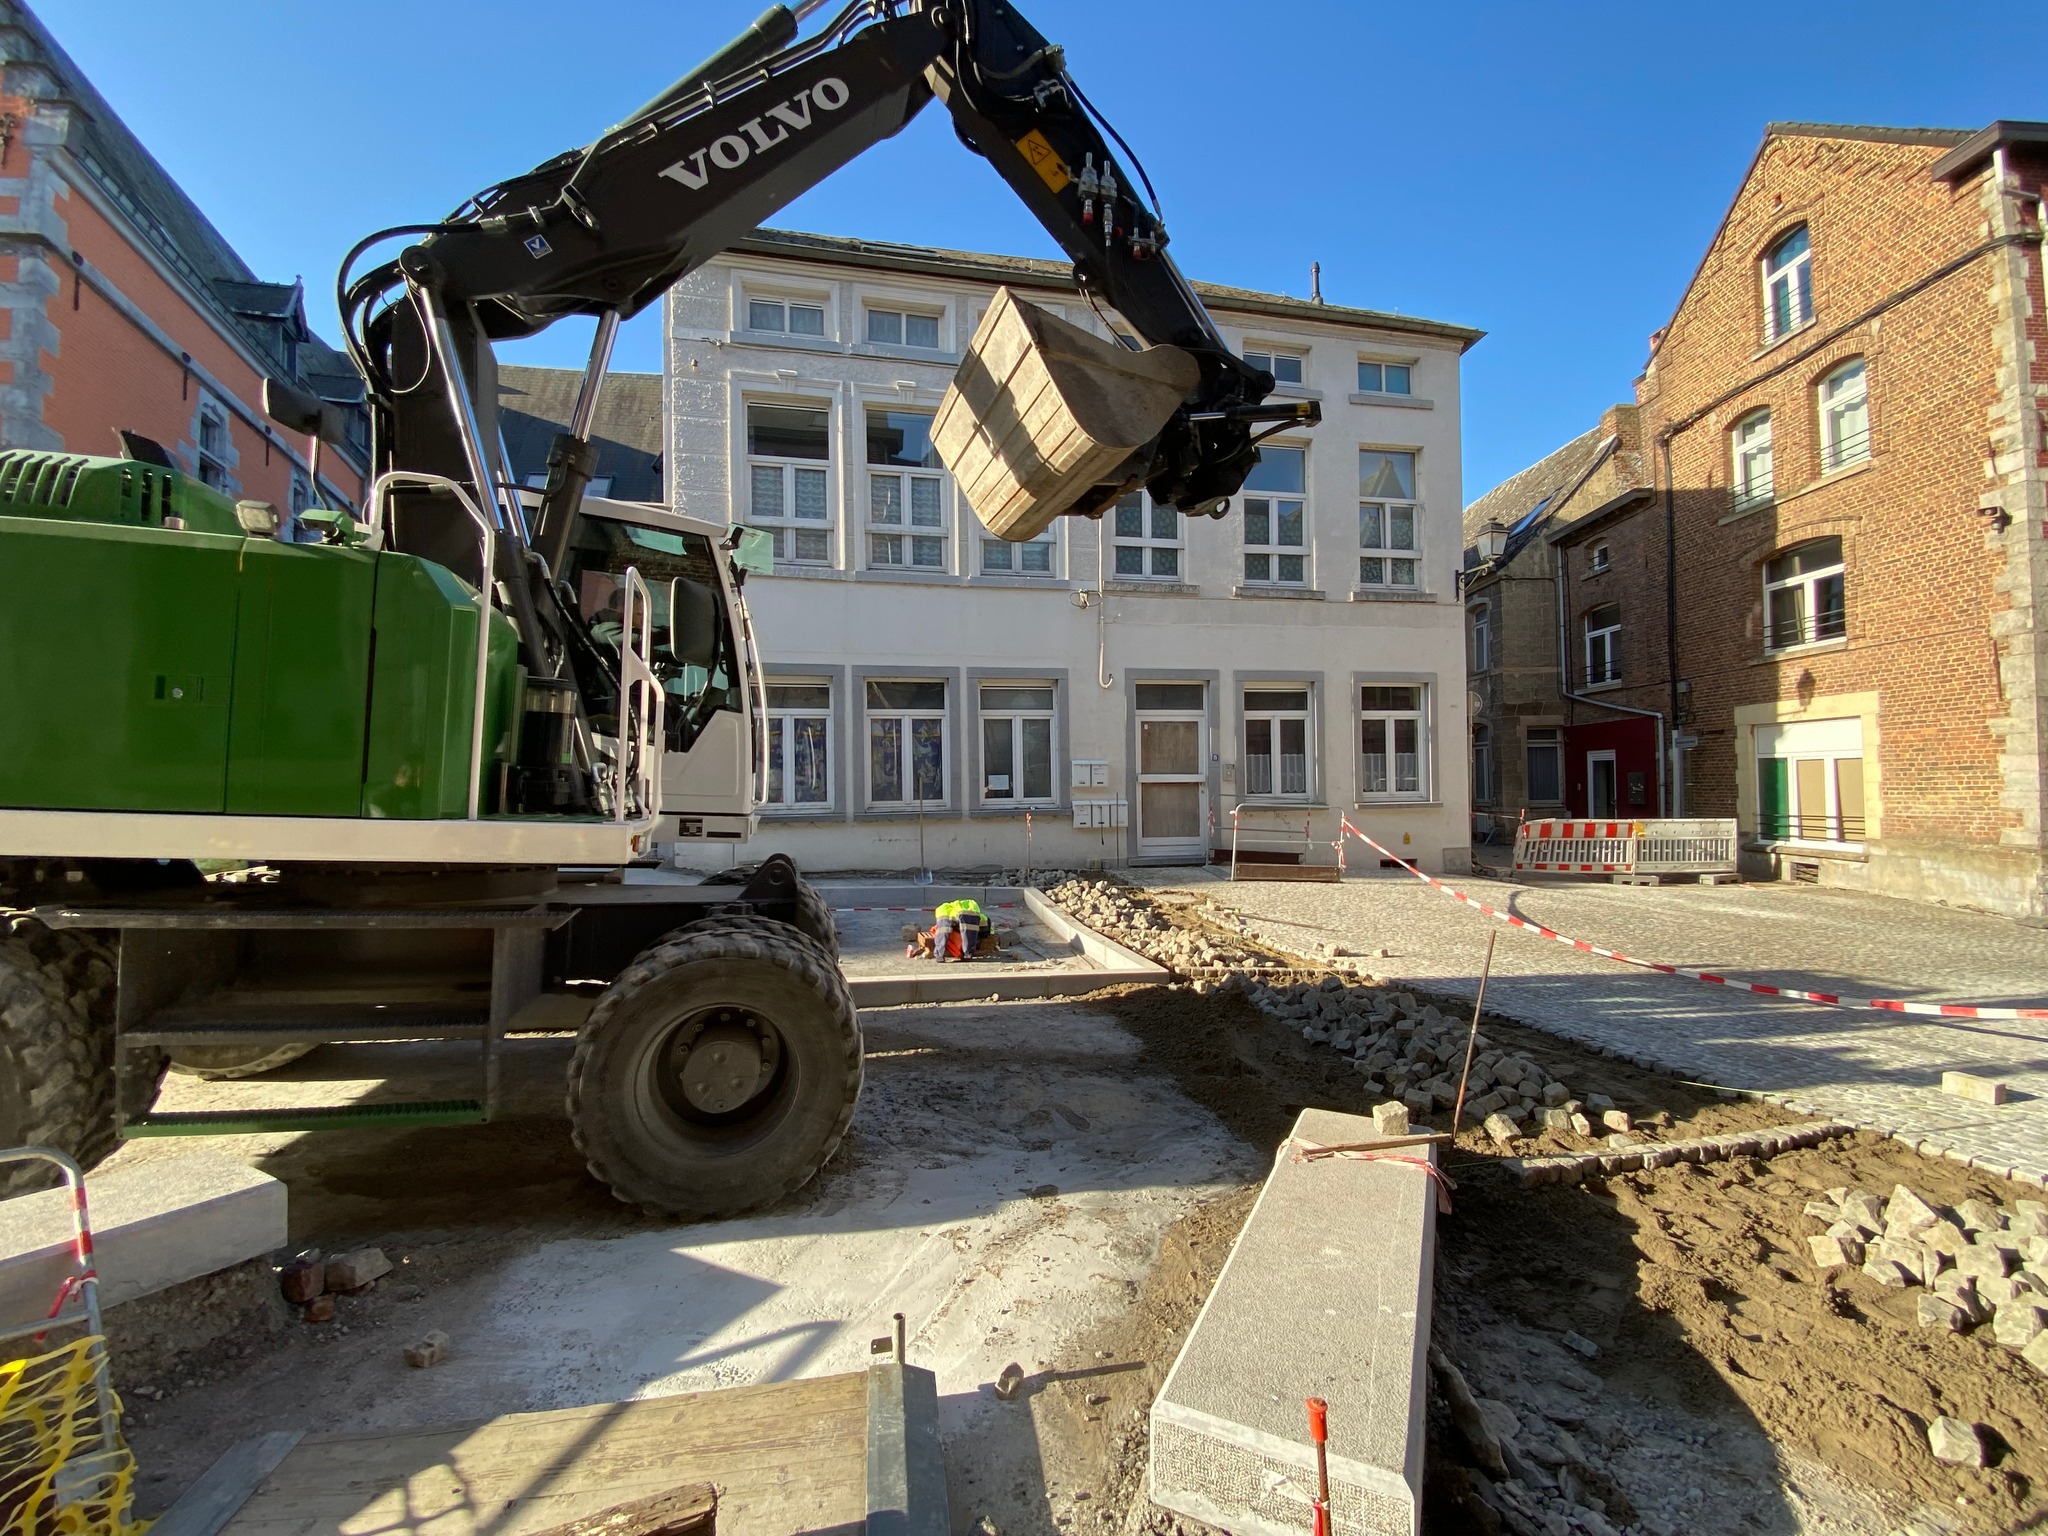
x=1954, y=1441
x=1581, y=1125
x=1945, y=1237
x=1828, y=1252
x=1824, y=1210
x=1555, y=1119
x=1981, y=1216
x=1850, y=1237
x=1967, y=1085
x=1389, y=1120
x=356, y=1269
x=1555, y=1093
x=1865, y=1209
x=1887, y=1272
x=2036, y=1353
x=2029, y=1219
x=1578, y=1343
x=1598, y=1103
x=432, y=1349
x=1906, y=1212
x=1983, y=1259
x=1940, y=1312
x=2017, y=1326
x=1502, y=1129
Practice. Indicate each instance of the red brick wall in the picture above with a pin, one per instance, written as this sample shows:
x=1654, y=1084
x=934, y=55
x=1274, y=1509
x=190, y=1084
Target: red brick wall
x=1920, y=574
x=107, y=373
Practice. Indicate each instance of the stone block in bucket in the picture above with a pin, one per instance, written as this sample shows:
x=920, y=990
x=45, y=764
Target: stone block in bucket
x=1039, y=411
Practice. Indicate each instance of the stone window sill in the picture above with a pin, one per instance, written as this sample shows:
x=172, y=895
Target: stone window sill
x=1298, y=593
x=1846, y=853
x=1018, y=812
x=931, y=813
x=1153, y=588
x=1773, y=343
x=910, y=578
x=1610, y=686
x=1012, y=579
x=1801, y=652
x=1390, y=595
x=810, y=573
x=1405, y=402
x=823, y=814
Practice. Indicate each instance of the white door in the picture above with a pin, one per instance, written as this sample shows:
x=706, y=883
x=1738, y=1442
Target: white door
x=1600, y=795
x=1173, y=777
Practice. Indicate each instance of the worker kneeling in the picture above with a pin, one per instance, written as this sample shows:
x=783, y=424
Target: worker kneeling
x=957, y=930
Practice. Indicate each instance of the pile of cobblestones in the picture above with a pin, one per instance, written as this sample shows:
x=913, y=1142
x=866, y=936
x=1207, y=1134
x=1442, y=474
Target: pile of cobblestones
x=1135, y=921
x=1978, y=1263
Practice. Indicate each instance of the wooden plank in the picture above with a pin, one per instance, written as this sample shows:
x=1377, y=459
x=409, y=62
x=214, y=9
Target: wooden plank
x=691, y=1510
x=787, y=1456
x=1313, y=873
x=224, y=1487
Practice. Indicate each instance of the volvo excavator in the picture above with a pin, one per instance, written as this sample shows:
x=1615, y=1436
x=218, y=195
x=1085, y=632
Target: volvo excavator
x=261, y=794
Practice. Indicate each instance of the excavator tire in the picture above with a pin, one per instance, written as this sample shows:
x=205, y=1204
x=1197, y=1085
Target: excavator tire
x=813, y=913
x=718, y=1072
x=57, y=1048
x=218, y=1063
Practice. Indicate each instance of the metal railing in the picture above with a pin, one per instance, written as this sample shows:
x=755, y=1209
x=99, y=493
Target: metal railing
x=1285, y=838
x=643, y=705
x=1808, y=629
x=1849, y=448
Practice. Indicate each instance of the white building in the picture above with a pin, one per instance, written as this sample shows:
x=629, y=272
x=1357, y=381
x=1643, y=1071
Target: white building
x=1127, y=684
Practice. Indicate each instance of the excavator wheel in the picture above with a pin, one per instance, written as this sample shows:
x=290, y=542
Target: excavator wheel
x=57, y=1080
x=813, y=914
x=718, y=1072
x=217, y=1063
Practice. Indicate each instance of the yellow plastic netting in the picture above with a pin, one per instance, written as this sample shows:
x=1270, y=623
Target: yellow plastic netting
x=57, y=1477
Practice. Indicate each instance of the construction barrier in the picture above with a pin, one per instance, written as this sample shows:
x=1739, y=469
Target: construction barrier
x=1578, y=847
x=1669, y=846
x=63, y=1468
x=1825, y=999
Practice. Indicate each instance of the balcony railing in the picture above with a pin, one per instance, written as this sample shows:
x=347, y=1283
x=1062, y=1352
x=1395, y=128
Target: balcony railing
x=1808, y=629
x=1850, y=448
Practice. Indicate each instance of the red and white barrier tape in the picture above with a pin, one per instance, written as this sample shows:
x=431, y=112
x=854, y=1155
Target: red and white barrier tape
x=1826, y=999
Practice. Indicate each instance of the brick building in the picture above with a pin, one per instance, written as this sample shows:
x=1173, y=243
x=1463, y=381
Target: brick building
x=1833, y=594
x=1531, y=731
x=121, y=306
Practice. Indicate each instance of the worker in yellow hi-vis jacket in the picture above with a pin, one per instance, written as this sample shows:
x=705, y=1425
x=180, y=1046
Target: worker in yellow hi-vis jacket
x=957, y=930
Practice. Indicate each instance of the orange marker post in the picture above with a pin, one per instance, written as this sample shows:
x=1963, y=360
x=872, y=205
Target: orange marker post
x=1319, y=1431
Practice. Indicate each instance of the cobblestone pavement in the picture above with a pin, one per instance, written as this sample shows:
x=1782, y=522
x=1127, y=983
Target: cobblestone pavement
x=1876, y=1069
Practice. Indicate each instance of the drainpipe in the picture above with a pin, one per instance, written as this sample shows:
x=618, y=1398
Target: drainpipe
x=1671, y=603
x=1564, y=684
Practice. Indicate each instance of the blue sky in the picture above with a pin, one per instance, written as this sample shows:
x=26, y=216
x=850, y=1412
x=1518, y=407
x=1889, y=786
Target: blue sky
x=1549, y=173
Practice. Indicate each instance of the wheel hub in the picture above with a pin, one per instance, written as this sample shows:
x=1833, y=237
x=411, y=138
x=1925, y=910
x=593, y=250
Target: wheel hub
x=723, y=1060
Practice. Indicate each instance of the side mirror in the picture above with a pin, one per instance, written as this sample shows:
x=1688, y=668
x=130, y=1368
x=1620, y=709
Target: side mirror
x=692, y=622
x=296, y=410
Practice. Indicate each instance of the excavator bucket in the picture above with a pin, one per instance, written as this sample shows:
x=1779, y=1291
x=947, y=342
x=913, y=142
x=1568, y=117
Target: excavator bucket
x=1040, y=412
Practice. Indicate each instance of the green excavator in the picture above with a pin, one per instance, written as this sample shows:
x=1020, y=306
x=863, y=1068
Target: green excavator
x=262, y=794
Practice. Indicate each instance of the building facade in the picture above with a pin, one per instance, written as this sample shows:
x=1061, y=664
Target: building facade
x=1538, y=719
x=123, y=308
x=1835, y=596
x=1113, y=691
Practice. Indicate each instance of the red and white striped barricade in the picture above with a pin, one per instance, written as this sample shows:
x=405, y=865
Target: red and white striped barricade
x=1578, y=847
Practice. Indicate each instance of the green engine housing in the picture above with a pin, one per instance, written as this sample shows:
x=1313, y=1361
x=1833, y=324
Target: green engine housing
x=156, y=657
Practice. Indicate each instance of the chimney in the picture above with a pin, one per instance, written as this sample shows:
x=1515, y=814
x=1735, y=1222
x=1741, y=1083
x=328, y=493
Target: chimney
x=1315, y=282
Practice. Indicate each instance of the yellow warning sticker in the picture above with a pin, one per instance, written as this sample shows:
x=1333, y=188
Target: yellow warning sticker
x=1045, y=160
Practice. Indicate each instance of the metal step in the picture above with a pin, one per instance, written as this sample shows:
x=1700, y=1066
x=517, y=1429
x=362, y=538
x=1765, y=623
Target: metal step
x=324, y=1117
x=239, y=1022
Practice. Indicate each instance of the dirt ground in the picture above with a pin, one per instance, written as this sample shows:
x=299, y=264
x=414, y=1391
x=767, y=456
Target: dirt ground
x=1734, y=1388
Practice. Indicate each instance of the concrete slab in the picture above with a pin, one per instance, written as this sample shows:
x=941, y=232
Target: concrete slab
x=1326, y=1295
x=154, y=1224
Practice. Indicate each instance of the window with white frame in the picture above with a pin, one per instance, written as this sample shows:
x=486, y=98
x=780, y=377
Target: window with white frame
x=907, y=745
x=1286, y=367
x=1788, y=284
x=1751, y=442
x=1597, y=559
x=791, y=317
x=1603, y=644
x=789, y=493
x=906, y=493
x=1017, y=748
x=1385, y=378
x=213, y=443
x=1543, y=756
x=799, y=747
x=1391, y=742
x=903, y=328
x=1276, y=518
x=1389, y=519
x=1810, y=781
x=1276, y=737
x=1482, y=638
x=597, y=485
x=1147, y=539
x=1482, y=764
x=1844, y=417
x=1804, y=600
x=1033, y=557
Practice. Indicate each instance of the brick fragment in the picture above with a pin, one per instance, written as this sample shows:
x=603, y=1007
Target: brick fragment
x=357, y=1269
x=430, y=1350
x=320, y=1309
x=303, y=1278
